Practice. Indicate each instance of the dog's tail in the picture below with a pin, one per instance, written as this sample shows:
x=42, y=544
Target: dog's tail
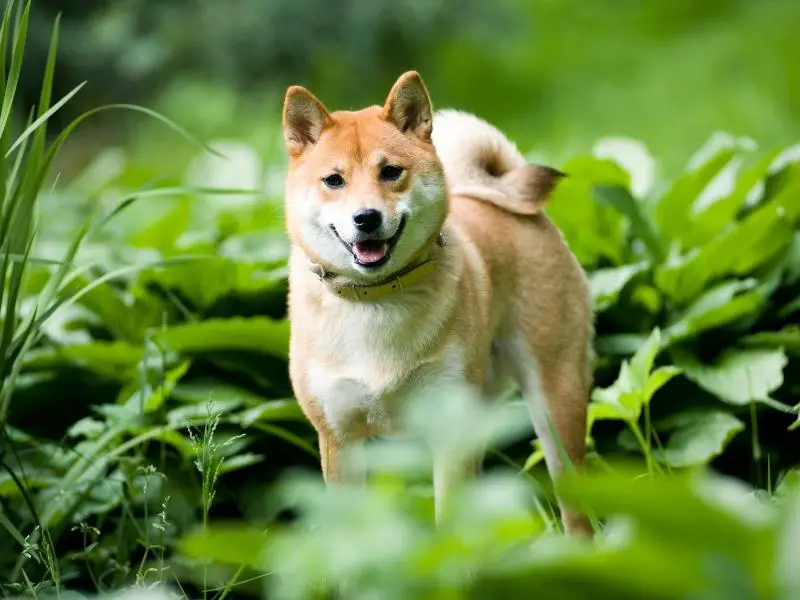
x=480, y=162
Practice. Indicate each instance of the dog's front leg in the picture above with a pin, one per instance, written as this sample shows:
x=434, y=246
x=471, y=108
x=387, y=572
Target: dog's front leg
x=341, y=459
x=448, y=474
x=330, y=455
x=453, y=465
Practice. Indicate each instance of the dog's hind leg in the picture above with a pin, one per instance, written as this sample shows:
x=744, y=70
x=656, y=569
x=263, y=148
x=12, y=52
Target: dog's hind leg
x=556, y=391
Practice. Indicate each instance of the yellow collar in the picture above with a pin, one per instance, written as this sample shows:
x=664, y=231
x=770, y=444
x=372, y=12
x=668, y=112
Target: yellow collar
x=397, y=283
x=378, y=291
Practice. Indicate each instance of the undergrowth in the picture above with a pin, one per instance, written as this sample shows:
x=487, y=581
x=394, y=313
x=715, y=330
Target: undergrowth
x=151, y=443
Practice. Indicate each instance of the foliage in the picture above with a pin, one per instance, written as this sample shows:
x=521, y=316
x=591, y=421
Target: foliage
x=152, y=438
x=557, y=74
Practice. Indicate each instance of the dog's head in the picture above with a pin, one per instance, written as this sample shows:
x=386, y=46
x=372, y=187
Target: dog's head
x=365, y=191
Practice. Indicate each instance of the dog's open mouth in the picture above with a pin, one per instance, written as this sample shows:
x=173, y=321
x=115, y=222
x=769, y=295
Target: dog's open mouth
x=370, y=252
x=373, y=253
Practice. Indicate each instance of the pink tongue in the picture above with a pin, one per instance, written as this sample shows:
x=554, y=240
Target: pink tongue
x=369, y=252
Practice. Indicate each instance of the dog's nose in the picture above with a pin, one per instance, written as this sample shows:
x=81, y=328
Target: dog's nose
x=367, y=220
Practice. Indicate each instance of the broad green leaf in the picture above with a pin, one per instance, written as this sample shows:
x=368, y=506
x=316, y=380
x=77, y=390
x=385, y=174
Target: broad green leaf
x=255, y=334
x=719, y=306
x=750, y=243
x=649, y=297
x=272, y=410
x=125, y=319
x=789, y=309
x=642, y=361
x=266, y=246
x=240, y=461
x=205, y=281
x=642, y=226
x=619, y=344
x=594, y=231
x=714, y=218
x=605, y=285
x=789, y=542
x=110, y=359
x=156, y=395
x=673, y=211
x=163, y=232
x=635, y=385
x=87, y=427
x=738, y=377
x=792, y=260
x=697, y=438
x=777, y=181
x=688, y=514
x=227, y=544
x=658, y=379
x=606, y=411
x=787, y=338
x=198, y=413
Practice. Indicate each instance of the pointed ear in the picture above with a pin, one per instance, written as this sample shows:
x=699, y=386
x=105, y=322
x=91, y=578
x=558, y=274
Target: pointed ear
x=408, y=106
x=304, y=118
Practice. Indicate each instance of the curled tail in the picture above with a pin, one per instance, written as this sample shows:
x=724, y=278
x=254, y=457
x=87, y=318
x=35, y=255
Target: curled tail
x=480, y=162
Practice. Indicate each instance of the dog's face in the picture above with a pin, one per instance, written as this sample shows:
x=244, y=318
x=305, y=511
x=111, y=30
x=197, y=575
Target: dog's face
x=365, y=191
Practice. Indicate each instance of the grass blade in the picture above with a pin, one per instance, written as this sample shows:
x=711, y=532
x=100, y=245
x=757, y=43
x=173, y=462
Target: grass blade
x=16, y=67
x=40, y=122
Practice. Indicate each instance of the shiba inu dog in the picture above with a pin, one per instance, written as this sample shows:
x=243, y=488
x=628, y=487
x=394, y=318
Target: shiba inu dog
x=421, y=255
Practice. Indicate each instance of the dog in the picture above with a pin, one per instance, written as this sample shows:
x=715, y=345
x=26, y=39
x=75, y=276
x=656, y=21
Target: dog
x=421, y=255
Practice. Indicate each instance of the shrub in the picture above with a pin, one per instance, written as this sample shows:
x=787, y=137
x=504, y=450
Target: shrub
x=145, y=384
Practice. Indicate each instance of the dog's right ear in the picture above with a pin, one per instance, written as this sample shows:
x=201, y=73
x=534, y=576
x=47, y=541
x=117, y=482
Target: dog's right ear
x=304, y=118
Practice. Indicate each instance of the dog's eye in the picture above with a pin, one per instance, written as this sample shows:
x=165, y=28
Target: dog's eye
x=333, y=181
x=390, y=173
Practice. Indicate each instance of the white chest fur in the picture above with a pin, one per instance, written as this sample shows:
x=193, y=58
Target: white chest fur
x=373, y=355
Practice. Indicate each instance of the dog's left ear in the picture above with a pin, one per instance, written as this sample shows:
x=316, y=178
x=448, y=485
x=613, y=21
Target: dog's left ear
x=408, y=106
x=304, y=118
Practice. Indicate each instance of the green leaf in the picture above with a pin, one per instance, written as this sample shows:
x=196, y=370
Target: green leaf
x=87, y=427
x=274, y=410
x=163, y=232
x=789, y=541
x=256, y=334
x=125, y=320
x=619, y=344
x=697, y=438
x=692, y=515
x=721, y=305
x=226, y=544
x=605, y=285
x=205, y=281
x=156, y=395
x=748, y=244
x=594, y=231
x=621, y=200
x=116, y=360
x=658, y=379
x=673, y=211
x=635, y=385
x=642, y=361
x=715, y=217
x=605, y=411
x=240, y=461
x=738, y=377
x=787, y=338
x=198, y=413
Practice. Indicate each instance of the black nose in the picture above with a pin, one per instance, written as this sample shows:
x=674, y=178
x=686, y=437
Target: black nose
x=367, y=220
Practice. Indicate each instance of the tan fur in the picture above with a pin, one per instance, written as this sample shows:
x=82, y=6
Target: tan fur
x=506, y=299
